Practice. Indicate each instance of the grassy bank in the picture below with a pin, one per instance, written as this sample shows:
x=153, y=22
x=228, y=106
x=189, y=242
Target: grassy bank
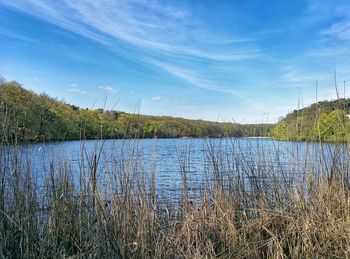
x=243, y=210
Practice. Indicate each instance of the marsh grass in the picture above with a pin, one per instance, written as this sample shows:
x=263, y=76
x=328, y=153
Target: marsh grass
x=240, y=210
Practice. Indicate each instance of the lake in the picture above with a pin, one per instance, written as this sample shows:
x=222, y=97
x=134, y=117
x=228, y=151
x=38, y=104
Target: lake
x=170, y=160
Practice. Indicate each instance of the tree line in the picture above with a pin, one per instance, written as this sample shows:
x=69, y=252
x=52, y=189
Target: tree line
x=27, y=116
x=322, y=121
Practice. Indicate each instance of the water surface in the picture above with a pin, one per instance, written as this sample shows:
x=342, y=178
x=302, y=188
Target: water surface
x=170, y=160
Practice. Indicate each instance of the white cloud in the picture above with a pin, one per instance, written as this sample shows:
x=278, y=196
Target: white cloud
x=107, y=20
x=160, y=31
x=340, y=30
x=76, y=90
x=109, y=89
x=294, y=77
x=37, y=79
x=157, y=98
x=162, y=100
x=196, y=80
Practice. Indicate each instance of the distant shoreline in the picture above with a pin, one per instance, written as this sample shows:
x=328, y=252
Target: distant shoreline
x=259, y=137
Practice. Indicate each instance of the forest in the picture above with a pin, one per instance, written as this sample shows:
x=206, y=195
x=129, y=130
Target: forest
x=322, y=121
x=28, y=116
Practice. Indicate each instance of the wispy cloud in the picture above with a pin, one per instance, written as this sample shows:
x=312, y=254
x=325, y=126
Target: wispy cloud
x=16, y=36
x=109, y=89
x=153, y=30
x=193, y=78
x=145, y=24
x=157, y=98
x=37, y=79
x=75, y=89
x=340, y=30
x=161, y=100
x=234, y=59
x=329, y=52
x=335, y=13
x=294, y=77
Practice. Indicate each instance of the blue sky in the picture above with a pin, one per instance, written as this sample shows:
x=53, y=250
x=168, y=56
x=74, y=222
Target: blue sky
x=242, y=61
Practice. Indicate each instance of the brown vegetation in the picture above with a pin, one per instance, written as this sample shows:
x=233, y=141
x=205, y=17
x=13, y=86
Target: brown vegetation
x=246, y=211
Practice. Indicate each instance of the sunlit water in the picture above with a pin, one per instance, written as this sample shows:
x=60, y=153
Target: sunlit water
x=170, y=159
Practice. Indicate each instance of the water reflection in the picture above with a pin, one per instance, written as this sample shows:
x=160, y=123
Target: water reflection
x=170, y=160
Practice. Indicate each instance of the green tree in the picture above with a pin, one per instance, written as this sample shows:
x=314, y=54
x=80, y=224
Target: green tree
x=281, y=131
x=333, y=126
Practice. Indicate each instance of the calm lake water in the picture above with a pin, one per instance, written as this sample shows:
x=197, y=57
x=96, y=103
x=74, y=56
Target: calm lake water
x=168, y=159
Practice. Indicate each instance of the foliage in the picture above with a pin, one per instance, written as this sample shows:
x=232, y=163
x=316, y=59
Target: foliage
x=29, y=116
x=281, y=131
x=324, y=121
x=333, y=126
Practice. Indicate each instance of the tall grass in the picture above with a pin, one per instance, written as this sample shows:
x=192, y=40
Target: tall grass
x=295, y=208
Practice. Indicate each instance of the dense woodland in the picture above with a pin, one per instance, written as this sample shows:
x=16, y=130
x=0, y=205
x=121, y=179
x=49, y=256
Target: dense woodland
x=323, y=121
x=27, y=116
